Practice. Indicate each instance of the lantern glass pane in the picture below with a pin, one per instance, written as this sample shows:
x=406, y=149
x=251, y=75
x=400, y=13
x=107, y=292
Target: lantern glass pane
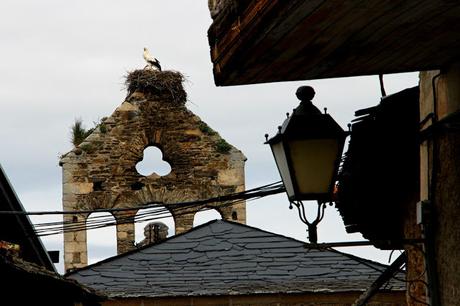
x=314, y=163
x=283, y=168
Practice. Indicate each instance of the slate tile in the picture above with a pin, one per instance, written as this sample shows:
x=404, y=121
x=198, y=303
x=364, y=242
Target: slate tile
x=222, y=246
x=88, y=272
x=176, y=247
x=265, y=239
x=272, y=272
x=238, y=256
x=214, y=254
x=198, y=259
x=272, y=245
x=247, y=234
x=118, y=274
x=277, y=255
x=149, y=257
x=203, y=232
x=312, y=271
x=221, y=227
x=239, y=265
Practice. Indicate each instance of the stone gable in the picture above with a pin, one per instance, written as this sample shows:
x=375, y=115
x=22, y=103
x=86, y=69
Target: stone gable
x=100, y=172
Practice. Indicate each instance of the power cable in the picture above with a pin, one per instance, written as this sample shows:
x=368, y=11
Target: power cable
x=154, y=211
x=265, y=190
x=110, y=221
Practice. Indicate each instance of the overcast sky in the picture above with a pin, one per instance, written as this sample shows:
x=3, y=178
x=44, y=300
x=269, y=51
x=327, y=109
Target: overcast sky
x=61, y=60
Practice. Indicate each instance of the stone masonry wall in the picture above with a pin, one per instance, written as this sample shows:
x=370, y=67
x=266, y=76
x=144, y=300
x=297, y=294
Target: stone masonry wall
x=100, y=172
x=440, y=175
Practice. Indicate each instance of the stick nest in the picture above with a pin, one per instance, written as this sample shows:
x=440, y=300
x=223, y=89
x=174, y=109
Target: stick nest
x=158, y=83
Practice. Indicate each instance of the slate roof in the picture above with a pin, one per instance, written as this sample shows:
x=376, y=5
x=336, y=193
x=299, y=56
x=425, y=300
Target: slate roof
x=226, y=258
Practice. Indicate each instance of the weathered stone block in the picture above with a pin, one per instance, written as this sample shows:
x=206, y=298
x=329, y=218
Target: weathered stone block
x=77, y=188
x=122, y=235
x=76, y=257
x=126, y=107
x=230, y=177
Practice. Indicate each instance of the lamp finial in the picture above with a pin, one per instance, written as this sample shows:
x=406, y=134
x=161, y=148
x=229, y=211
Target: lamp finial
x=305, y=93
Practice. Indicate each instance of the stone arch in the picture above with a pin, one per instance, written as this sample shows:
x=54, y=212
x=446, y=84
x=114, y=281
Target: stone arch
x=152, y=216
x=205, y=215
x=101, y=242
x=234, y=212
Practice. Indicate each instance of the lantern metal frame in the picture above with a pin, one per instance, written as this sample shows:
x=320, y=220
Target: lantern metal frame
x=305, y=124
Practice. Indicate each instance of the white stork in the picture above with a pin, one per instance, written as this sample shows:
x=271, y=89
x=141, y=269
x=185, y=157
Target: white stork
x=152, y=62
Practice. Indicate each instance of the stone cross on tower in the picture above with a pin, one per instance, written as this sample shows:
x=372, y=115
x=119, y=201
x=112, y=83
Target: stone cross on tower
x=100, y=172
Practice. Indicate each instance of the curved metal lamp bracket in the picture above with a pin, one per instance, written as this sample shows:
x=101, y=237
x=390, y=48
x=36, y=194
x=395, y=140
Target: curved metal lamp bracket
x=312, y=226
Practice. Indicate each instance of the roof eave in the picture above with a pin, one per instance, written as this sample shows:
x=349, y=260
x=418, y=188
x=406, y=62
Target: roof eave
x=273, y=41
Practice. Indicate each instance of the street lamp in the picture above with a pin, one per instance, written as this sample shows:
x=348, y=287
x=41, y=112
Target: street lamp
x=307, y=151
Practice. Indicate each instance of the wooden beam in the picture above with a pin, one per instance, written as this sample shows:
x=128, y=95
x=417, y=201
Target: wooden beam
x=299, y=39
x=381, y=280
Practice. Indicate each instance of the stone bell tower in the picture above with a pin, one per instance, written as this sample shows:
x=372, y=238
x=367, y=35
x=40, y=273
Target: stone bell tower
x=100, y=172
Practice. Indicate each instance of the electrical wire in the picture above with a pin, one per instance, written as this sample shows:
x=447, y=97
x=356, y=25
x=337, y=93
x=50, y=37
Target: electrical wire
x=110, y=221
x=150, y=211
x=420, y=278
x=268, y=189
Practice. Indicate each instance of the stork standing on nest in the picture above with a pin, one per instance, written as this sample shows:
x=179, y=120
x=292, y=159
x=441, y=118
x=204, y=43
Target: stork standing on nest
x=152, y=63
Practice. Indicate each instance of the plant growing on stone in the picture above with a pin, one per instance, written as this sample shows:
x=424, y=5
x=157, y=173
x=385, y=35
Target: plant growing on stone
x=88, y=148
x=206, y=129
x=103, y=128
x=222, y=146
x=79, y=133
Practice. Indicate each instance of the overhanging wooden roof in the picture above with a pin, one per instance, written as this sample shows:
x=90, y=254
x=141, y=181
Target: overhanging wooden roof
x=17, y=228
x=278, y=40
